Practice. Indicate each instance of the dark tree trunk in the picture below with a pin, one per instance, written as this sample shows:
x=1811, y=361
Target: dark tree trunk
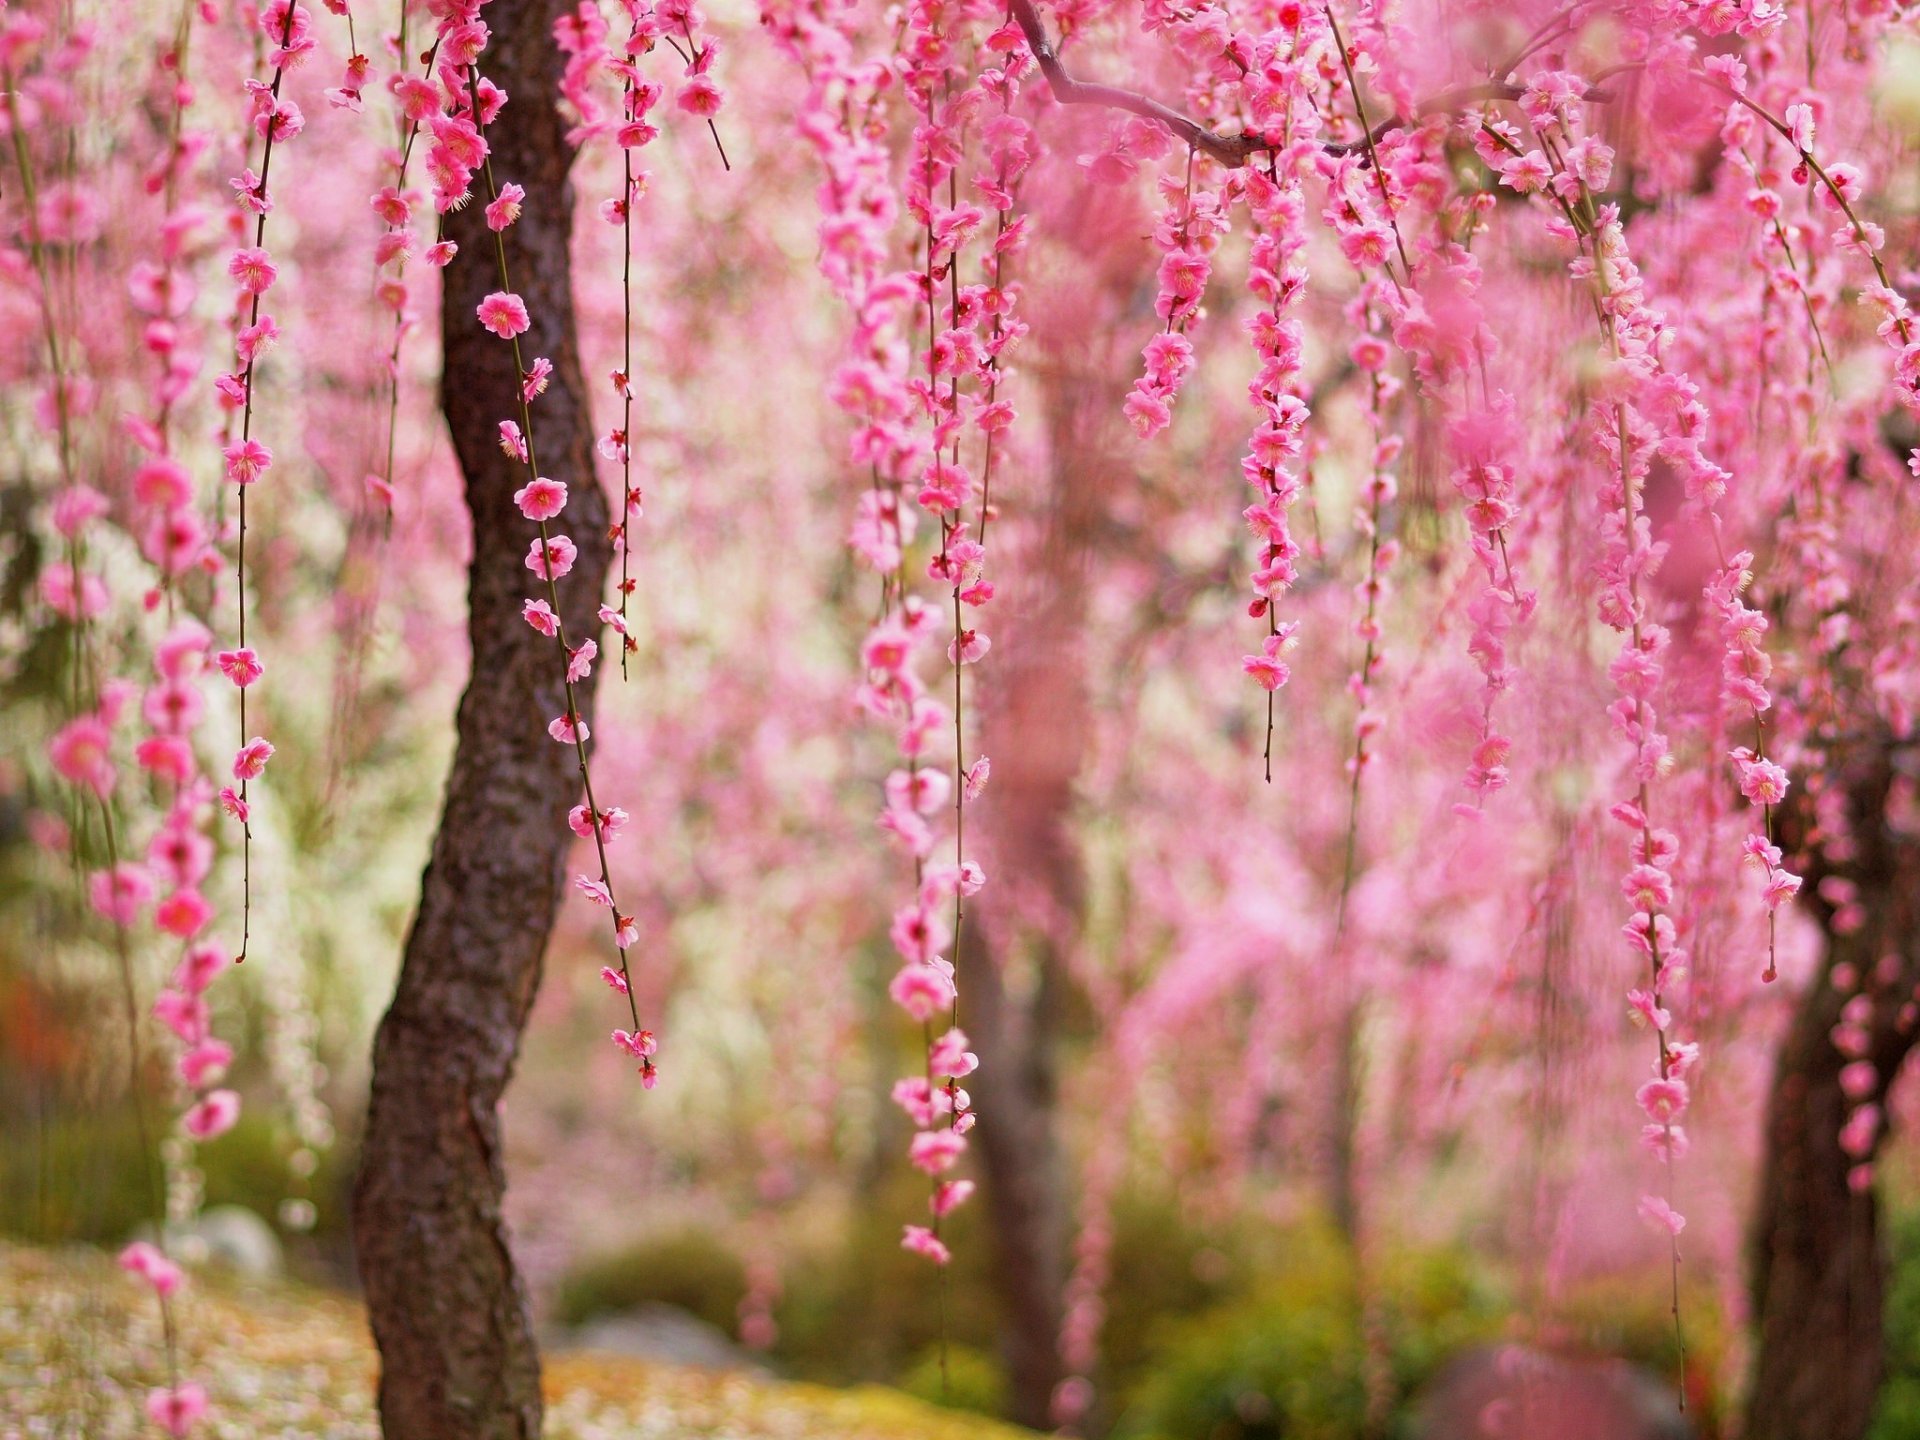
x=448, y=1310
x=1015, y=1090
x=1819, y=1277
x=1013, y=953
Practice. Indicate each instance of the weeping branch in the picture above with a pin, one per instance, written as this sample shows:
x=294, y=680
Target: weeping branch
x=1233, y=151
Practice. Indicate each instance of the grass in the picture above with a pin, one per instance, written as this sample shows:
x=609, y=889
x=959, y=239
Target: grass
x=80, y=1345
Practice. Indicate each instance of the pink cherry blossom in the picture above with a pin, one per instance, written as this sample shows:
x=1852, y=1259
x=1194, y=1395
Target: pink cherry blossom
x=505, y=314
x=541, y=499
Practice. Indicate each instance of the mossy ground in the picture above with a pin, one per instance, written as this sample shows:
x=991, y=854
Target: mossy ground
x=80, y=1345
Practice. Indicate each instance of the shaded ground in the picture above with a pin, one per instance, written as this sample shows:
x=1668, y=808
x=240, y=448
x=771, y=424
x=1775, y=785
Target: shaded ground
x=80, y=1345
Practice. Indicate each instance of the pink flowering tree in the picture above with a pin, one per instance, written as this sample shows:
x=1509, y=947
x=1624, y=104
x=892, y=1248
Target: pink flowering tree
x=1520, y=436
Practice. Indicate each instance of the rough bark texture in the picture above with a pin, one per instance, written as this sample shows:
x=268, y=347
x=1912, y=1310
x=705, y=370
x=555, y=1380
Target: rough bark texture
x=458, y=1360
x=1819, y=1277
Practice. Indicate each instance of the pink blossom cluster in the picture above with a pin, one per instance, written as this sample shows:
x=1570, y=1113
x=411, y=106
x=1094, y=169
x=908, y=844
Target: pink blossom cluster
x=285, y=26
x=1187, y=233
x=457, y=112
x=914, y=429
x=1860, y=1082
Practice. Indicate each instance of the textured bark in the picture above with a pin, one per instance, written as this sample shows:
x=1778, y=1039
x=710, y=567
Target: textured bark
x=448, y=1310
x=1819, y=1277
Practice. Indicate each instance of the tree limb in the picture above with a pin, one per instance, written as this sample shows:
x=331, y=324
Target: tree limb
x=1233, y=151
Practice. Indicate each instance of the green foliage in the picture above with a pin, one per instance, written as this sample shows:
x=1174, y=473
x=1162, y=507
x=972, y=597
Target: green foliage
x=972, y=1380
x=1898, y=1414
x=1163, y=1267
x=85, y=1176
x=1289, y=1360
x=690, y=1269
x=858, y=1307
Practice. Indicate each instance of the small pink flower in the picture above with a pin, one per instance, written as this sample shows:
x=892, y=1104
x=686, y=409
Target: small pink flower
x=950, y=1056
x=241, y=666
x=120, y=893
x=166, y=757
x=1862, y=1129
x=1800, y=124
x=934, y=1152
x=626, y=931
x=1269, y=672
x=76, y=507
x=1662, y=1216
x=1642, y=1009
x=199, y=969
x=185, y=1015
x=145, y=1260
x=1663, y=1100
x=504, y=313
x=252, y=271
x=80, y=752
x=540, y=616
x=967, y=647
x=235, y=807
x=1859, y=1079
x=921, y=1241
x=163, y=483
x=184, y=913
x=206, y=1063
x=594, y=890
x=611, y=821
x=505, y=208
x=950, y=1195
x=252, y=759
x=569, y=730
x=247, y=461
x=550, y=559
x=440, y=254
x=216, y=1114
x=541, y=499
x=580, y=660
x=615, y=980
x=701, y=97
x=921, y=991
x=640, y=1044
x=178, y=1408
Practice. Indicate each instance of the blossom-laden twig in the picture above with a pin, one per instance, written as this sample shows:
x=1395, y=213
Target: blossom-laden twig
x=276, y=119
x=471, y=104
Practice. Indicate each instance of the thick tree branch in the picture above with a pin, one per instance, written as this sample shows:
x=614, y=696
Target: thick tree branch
x=1232, y=151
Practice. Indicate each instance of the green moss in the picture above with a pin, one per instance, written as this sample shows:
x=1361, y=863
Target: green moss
x=690, y=1269
x=1289, y=1360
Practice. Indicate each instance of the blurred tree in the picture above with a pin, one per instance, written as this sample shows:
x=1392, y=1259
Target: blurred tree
x=1819, y=1263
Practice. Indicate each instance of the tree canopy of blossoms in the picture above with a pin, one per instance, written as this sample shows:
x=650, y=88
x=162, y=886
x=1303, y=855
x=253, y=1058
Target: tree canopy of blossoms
x=1568, y=354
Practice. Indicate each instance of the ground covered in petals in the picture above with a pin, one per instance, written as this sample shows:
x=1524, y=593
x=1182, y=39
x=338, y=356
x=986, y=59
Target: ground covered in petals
x=80, y=1345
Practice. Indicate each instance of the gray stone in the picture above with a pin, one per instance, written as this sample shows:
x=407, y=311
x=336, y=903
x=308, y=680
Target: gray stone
x=1508, y=1392
x=660, y=1332
x=239, y=1239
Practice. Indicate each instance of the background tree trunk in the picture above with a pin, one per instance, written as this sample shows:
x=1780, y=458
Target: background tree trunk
x=1819, y=1277
x=1036, y=731
x=448, y=1310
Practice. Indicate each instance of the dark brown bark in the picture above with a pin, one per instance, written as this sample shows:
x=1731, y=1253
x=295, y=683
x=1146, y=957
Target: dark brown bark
x=448, y=1310
x=1819, y=1277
